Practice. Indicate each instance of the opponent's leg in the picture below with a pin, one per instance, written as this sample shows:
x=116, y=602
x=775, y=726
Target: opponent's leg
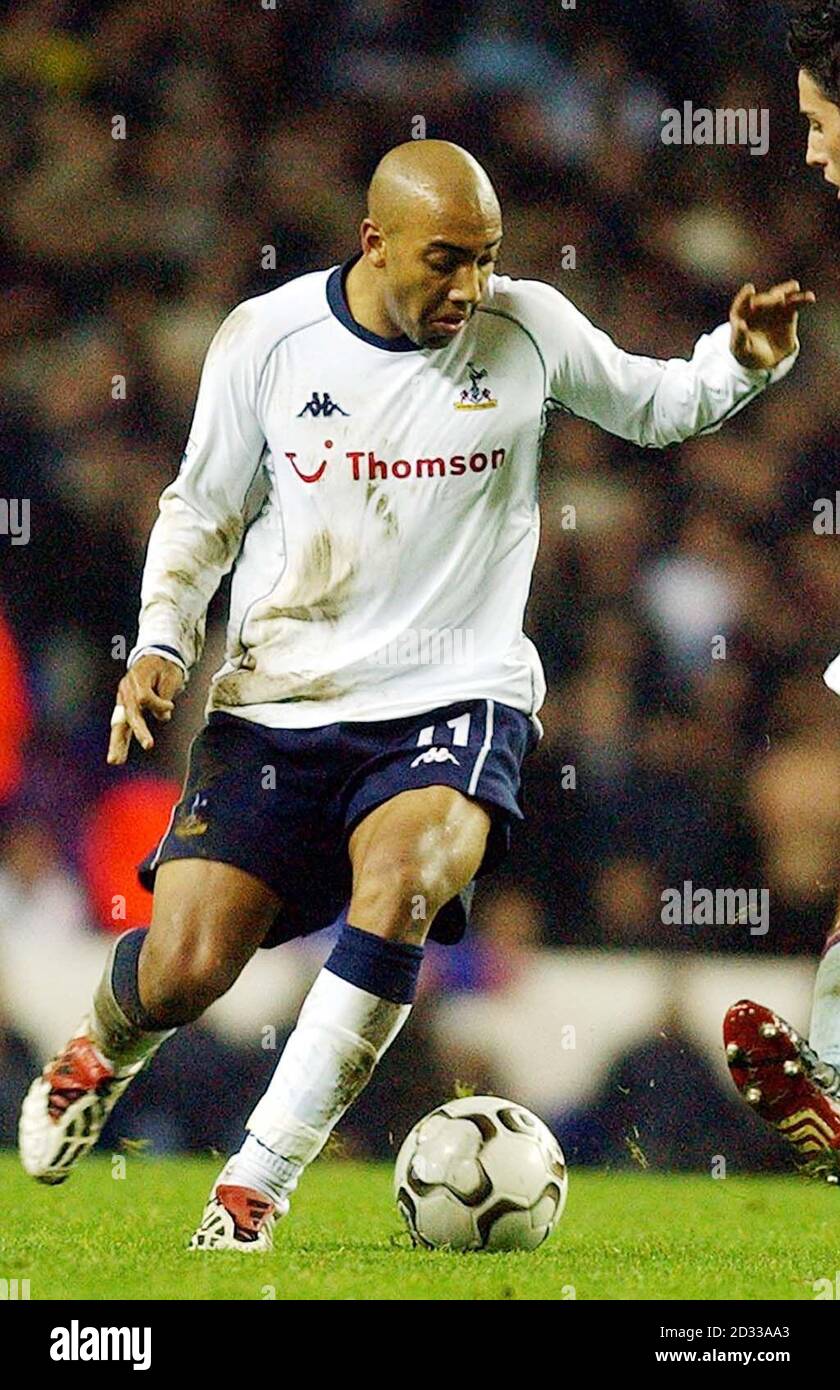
x=791, y=1083
x=207, y=921
x=825, y=1015
x=410, y=856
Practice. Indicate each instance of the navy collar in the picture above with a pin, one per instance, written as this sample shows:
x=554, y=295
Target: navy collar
x=337, y=301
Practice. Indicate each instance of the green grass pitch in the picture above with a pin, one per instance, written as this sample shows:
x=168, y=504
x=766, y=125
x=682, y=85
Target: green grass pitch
x=623, y=1236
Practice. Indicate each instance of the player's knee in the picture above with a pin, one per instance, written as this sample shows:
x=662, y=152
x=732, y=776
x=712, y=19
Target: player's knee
x=398, y=881
x=180, y=979
x=399, y=893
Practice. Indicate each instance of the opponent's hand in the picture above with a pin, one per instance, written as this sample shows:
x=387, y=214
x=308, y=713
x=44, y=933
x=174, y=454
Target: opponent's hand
x=764, y=325
x=149, y=687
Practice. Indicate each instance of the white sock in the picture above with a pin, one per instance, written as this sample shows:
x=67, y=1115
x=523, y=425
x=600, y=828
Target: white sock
x=825, y=1017
x=341, y=1033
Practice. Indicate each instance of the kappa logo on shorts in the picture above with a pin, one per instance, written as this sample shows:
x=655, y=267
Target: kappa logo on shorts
x=435, y=755
x=192, y=823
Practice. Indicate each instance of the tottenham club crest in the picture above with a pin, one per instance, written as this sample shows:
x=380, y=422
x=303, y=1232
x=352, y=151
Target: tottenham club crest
x=475, y=396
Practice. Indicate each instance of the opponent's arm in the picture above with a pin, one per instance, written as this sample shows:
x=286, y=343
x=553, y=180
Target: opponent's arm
x=197, y=535
x=657, y=402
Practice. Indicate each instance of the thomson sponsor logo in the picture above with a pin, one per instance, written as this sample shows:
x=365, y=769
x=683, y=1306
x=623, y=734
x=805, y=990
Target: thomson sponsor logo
x=723, y=125
x=435, y=466
x=78, y=1343
x=446, y=646
x=719, y=907
x=366, y=467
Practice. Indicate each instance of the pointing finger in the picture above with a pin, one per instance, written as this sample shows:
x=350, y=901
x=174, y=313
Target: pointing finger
x=120, y=740
x=133, y=714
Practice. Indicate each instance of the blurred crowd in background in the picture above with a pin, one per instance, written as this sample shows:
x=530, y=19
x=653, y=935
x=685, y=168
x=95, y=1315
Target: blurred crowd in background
x=250, y=133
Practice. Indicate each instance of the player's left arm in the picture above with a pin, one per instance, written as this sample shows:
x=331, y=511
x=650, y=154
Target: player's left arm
x=656, y=402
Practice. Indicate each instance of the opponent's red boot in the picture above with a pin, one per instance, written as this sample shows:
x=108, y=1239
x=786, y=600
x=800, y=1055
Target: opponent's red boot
x=784, y=1081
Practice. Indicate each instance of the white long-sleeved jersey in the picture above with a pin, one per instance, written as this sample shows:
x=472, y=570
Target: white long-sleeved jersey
x=379, y=500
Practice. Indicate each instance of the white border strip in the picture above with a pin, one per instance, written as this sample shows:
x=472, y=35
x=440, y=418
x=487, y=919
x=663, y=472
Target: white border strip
x=484, y=750
x=154, y=861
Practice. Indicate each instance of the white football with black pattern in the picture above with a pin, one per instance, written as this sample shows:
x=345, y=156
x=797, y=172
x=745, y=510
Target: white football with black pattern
x=480, y=1173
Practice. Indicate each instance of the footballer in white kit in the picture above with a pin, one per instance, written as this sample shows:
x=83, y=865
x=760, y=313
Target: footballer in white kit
x=364, y=453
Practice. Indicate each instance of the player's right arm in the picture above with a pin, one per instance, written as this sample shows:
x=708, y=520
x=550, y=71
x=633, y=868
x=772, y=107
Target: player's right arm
x=197, y=534
x=149, y=687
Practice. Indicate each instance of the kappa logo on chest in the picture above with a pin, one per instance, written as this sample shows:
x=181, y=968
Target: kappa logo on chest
x=322, y=404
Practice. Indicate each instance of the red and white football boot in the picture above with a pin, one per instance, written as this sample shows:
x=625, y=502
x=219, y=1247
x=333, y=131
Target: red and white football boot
x=66, y=1107
x=784, y=1081
x=237, y=1218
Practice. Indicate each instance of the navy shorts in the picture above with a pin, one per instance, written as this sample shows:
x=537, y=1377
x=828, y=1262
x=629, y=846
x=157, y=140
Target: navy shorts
x=282, y=803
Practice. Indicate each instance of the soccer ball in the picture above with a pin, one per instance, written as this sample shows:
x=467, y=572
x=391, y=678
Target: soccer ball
x=480, y=1173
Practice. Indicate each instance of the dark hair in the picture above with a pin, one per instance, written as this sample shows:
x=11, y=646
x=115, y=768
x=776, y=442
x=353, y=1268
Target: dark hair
x=814, y=43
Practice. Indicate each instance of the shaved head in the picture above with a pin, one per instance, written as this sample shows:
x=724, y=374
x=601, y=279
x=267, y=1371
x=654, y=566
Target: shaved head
x=429, y=243
x=431, y=177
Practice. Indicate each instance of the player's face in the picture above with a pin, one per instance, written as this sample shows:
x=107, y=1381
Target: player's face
x=437, y=277
x=824, y=129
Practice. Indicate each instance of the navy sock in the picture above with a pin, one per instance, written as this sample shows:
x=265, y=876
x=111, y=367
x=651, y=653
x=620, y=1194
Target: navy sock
x=124, y=979
x=388, y=969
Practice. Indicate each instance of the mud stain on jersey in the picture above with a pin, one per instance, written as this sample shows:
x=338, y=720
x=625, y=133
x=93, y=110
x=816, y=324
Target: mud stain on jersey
x=324, y=584
x=380, y=504
x=321, y=585
x=218, y=547
x=183, y=578
x=257, y=688
x=387, y=517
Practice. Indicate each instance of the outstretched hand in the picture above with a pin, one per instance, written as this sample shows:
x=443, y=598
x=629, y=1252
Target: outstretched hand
x=764, y=325
x=148, y=688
